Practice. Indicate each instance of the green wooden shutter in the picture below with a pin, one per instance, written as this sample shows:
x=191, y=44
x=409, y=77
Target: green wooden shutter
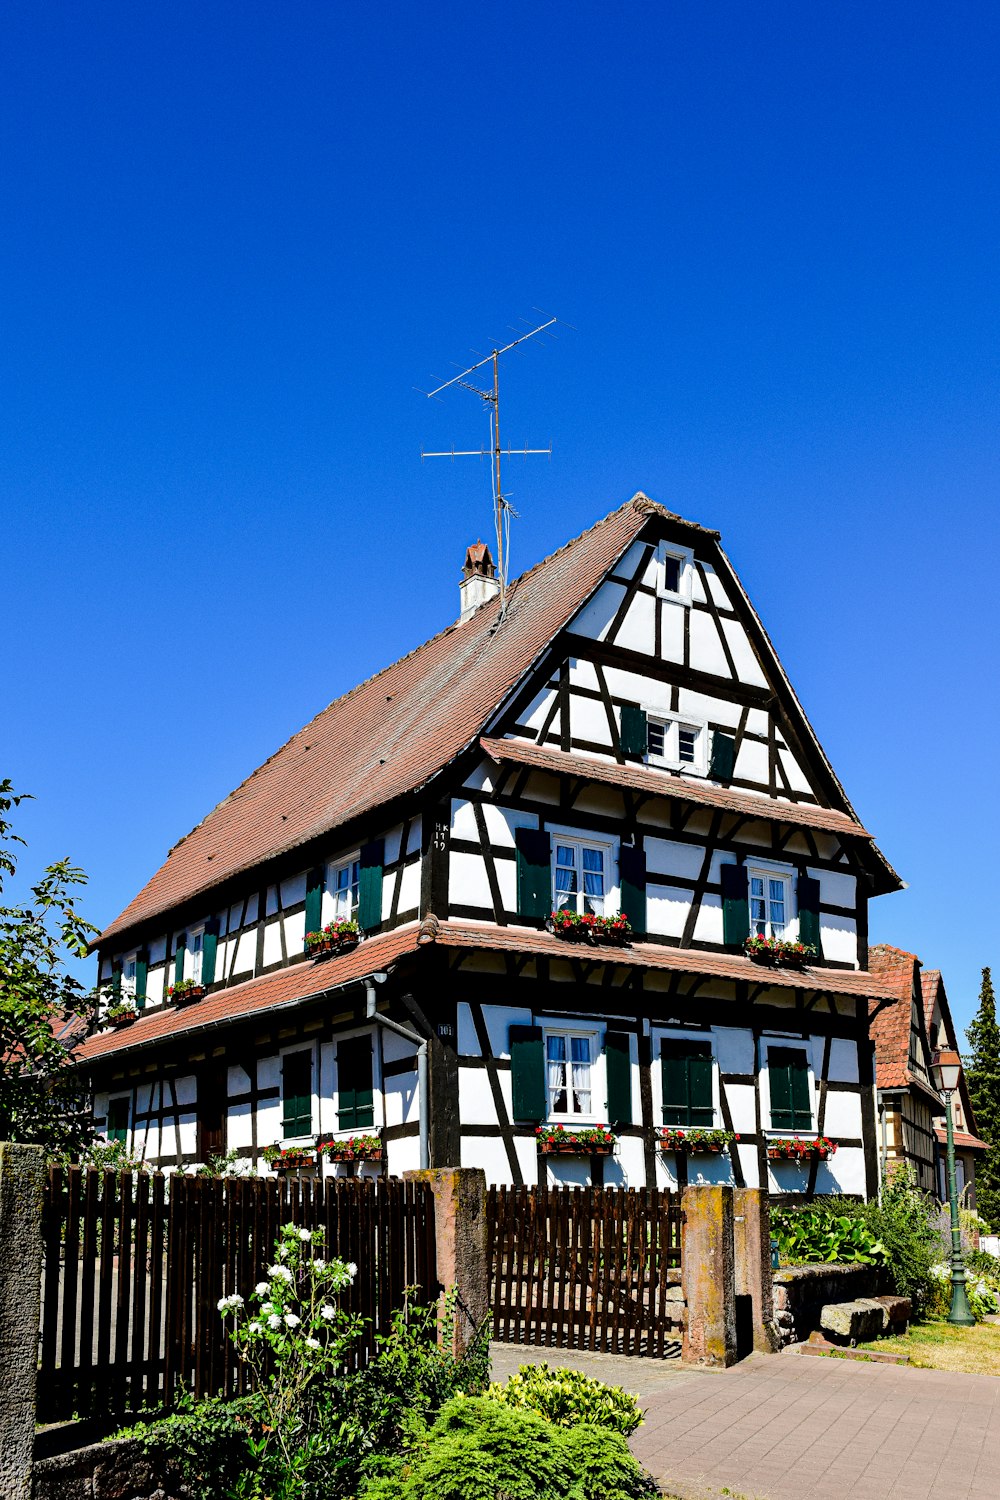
x=809, y=923
x=314, y=900
x=788, y=1080
x=141, y=978
x=634, y=732
x=618, y=1062
x=723, y=757
x=632, y=870
x=534, y=872
x=735, y=905
x=686, y=1070
x=527, y=1067
x=370, y=885
x=179, y=953
x=355, y=1090
x=117, y=1126
x=296, y=1094
x=209, y=950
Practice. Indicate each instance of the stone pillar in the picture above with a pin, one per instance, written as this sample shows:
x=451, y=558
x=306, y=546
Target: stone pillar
x=460, y=1234
x=22, y=1181
x=752, y=1254
x=707, y=1276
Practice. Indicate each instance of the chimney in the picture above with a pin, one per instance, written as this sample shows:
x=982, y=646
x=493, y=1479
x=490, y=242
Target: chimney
x=479, y=581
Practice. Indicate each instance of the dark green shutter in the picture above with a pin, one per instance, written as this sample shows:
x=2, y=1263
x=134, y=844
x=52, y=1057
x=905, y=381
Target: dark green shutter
x=723, y=757
x=788, y=1080
x=141, y=978
x=209, y=950
x=534, y=872
x=687, y=1082
x=116, y=983
x=809, y=925
x=370, y=885
x=634, y=733
x=355, y=1090
x=296, y=1094
x=179, y=953
x=314, y=900
x=117, y=1126
x=527, y=1068
x=735, y=905
x=618, y=1061
x=632, y=869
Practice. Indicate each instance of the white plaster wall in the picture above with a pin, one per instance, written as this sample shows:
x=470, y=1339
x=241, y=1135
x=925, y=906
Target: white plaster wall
x=840, y=939
x=748, y=1161
x=186, y=1089
x=293, y=890
x=567, y=1171
x=837, y=889
x=582, y=674
x=403, y=1156
x=630, y=560
x=269, y=1123
x=271, y=901
x=843, y=1116
x=595, y=618
x=468, y=884
x=246, y=952
x=707, y=654
x=672, y=617
x=708, y=924
x=475, y=1097
x=499, y=1019
x=272, y=944
x=716, y=587
x=401, y=1105
x=157, y=950
x=295, y=932
x=527, y=1158
x=630, y=1161
x=665, y=857
x=742, y=1101
x=269, y=1072
x=155, y=987
x=747, y=666
x=637, y=631
x=751, y=763
x=797, y=778
x=488, y=1153
x=409, y=889
x=735, y=1050
x=715, y=710
x=667, y=908
x=468, y=1042
x=239, y=1127
x=843, y=1061
x=589, y=721
x=538, y=710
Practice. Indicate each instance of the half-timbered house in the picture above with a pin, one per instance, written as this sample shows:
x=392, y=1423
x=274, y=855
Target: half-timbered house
x=969, y=1147
x=618, y=734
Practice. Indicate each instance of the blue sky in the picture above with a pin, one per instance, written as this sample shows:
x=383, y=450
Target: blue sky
x=236, y=237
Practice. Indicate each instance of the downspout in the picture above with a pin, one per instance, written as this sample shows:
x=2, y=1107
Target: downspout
x=423, y=1080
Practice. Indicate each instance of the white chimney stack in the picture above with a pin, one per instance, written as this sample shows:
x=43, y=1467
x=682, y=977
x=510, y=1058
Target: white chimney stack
x=479, y=581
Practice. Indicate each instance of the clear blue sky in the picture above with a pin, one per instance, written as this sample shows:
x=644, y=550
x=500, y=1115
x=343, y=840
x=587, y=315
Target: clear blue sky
x=235, y=237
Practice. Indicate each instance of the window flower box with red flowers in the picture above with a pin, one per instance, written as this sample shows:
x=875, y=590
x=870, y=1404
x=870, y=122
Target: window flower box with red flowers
x=288, y=1158
x=122, y=1013
x=336, y=937
x=768, y=950
x=591, y=1140
x=587, y=927
x=712, y=1142
x=185, y=992
x=797, y=1149
x=354, y=1148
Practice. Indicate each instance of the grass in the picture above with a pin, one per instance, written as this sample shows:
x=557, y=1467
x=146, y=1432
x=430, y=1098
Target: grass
x=938, y=1345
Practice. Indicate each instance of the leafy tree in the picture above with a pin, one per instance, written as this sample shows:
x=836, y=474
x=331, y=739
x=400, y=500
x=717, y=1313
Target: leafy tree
x=40, y=1097
x=982, y=1073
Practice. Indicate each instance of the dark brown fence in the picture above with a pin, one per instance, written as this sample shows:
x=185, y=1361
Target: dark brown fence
x=586, y=1268
x=135, y=1265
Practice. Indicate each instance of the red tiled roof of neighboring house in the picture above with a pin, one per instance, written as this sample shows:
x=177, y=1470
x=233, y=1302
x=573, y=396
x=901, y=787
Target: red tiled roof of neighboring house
x=665, y=784
x=930, y=979
x=963, y=1141
x=890, y=1027
x=305, y=981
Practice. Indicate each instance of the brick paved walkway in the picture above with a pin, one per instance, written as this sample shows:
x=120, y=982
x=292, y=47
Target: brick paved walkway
x=786, y=1427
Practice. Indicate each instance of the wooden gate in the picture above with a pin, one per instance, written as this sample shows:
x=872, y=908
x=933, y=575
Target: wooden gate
x=135, y=1265
x=586, y=1268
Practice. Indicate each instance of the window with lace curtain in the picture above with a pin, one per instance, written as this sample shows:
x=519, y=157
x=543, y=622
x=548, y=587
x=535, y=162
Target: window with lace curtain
x=569, y=1062
x=579, y=876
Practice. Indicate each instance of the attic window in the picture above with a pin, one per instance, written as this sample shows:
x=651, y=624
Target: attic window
x=675, y=742
x=674, y=569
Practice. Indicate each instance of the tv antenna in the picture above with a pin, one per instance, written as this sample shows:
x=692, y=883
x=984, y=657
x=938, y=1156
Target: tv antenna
x=502, y=508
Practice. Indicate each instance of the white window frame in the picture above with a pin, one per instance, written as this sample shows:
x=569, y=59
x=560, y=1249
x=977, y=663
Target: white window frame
x=333, y=869
x=684, y=1034
x=313, y=1050
x=580, y=841
x=672, y=723
x=129, y=960
x=770, y=869
x=804, y=1044
x=685, y=558
x=194, y=957
x=598, y=1079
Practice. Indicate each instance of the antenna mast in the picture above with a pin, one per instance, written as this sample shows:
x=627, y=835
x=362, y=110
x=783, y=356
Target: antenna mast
x=491, y=400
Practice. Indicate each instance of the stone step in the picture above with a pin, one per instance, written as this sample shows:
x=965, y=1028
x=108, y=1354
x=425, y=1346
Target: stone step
x=854, y=1322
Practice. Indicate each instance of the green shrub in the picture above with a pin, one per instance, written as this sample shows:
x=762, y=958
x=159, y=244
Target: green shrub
x=905, y=1222
x=567, y=1397
x=985, y=1266
x=205, y=1445
x=831, y=1232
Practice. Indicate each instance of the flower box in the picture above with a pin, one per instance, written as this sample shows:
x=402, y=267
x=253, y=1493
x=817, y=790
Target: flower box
x=572, y=927
x=185, y=993
x=336, y=937
x=120, y=1018
x=692, y=1140
x=288, y=1158
x=777, y=953
x=556, y=1140
x=799, y=1150
x=355, y=1148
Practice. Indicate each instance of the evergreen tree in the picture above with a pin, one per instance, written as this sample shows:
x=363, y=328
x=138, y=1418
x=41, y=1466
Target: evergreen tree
x=982, y=1073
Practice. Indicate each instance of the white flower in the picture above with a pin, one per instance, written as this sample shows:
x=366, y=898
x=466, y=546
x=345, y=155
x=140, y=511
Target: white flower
x=223, y=1304
x=312, y=1343
x=305, y=1235
x=253, y=1328
x=274, y=1321
x=283, y=1252
x=352, y=1270
x=282, y=1273
x=292, y=1320
x=327, y=1311
x=236, y=1300
x=262, y=1288
x=319, y=1264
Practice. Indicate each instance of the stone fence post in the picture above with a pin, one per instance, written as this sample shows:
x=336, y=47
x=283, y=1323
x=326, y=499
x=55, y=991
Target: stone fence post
x=752, y=1244
x=461, y=1240
x=707, y=1276
x=22, y=1183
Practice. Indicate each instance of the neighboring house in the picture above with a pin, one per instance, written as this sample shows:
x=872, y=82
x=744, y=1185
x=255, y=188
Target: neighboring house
x=968, y=1147
x=621, y=737
x=911, y=1112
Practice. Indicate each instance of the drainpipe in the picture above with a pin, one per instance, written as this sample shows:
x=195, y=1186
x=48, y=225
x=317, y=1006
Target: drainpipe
x=423, y=1081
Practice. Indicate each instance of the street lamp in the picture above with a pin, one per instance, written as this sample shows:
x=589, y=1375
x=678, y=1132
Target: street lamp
x=946, y=1067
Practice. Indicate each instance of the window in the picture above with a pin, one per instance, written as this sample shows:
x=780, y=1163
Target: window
x=129, y=977
x=674, y=569
x=345, y=880
x=355, y=1094
x=568, y=1072
x=674, y=742
x=770, y=906
x=686, y=1066
x=580, y=873
x=788, y=1081
x=296, y=1094
x=117, y=1126
x=196, y=941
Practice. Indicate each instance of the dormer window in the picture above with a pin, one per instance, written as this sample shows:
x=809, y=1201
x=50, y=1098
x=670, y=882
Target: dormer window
x=675, y=742
x=674, y=567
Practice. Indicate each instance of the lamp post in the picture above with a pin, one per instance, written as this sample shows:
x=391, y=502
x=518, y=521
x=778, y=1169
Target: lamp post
x=946, y=1066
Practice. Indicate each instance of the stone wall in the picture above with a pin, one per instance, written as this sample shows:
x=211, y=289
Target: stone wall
x=801, y=1292
x=113, y=1470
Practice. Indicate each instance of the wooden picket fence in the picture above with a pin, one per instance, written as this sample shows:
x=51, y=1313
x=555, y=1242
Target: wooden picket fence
x=135, y=1265
x=586, y=1268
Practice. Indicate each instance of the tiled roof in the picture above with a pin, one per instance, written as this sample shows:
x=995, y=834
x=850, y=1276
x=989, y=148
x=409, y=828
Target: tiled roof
x=664, y=784
x=963, y=1140
x=305, y=981
x=890, y=1028
x=394, y=732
